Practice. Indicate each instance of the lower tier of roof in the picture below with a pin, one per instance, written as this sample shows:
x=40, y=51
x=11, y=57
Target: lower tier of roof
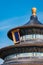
x=21, y=48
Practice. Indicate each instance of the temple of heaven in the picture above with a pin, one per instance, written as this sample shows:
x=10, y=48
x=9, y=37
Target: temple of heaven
x=28, y=44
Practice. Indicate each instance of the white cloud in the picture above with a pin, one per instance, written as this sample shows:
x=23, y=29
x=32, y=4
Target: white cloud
x=13, y=22
x=4, y=27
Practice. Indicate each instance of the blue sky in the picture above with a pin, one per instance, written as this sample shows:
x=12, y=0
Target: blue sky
x=14, y=13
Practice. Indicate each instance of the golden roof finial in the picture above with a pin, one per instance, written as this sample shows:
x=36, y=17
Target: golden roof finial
x=34, y=11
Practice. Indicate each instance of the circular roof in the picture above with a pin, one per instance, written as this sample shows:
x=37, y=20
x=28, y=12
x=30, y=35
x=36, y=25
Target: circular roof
x=21, y=48
x=33, y=23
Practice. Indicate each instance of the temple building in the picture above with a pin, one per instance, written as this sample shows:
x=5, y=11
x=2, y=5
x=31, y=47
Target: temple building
x=28, y=44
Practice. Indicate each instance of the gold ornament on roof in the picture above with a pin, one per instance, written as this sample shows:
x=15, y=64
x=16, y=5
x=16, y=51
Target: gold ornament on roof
x=34, y=11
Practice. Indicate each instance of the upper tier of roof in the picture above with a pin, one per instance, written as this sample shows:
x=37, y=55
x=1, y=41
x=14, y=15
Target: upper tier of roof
x=33, y=21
